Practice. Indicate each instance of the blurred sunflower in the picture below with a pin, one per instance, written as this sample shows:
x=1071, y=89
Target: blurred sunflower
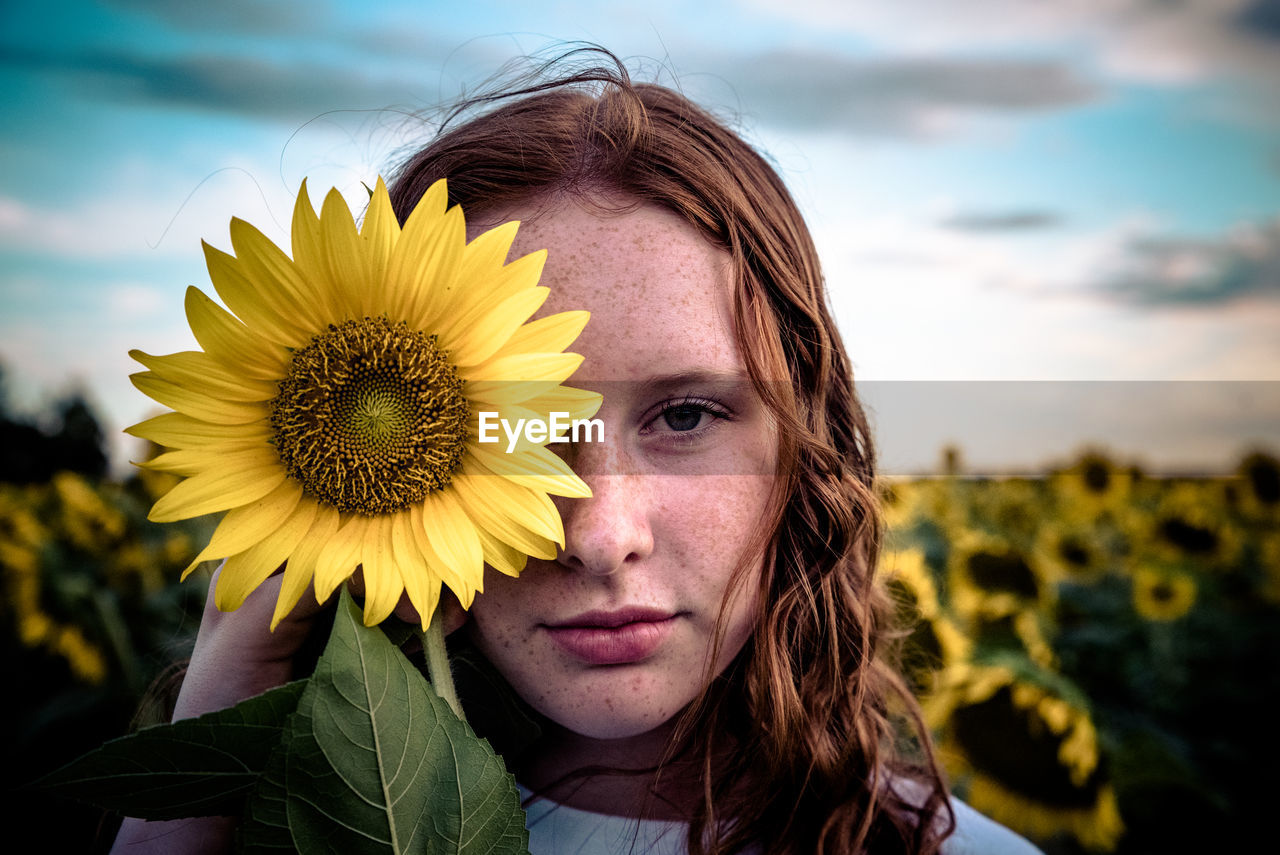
x=1269, y=558
x=1015, y=507
x=1019, y=632
x=989, y=576
x=1071, y=552
x=1093, y=484
x=30, y=563
x=1162, y=594
x=334, y=415
x=934, y=641
x=935, y=644
x=899, y=501
x=910, y=583
x=1026, y=752
x=1258, y=487
x=1189, y=523
x=89, y=521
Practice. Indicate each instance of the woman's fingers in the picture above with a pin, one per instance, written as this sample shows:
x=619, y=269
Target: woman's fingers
x=237, y=655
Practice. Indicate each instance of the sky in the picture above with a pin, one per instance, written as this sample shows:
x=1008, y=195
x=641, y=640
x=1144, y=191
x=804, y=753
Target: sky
x=1043, y=224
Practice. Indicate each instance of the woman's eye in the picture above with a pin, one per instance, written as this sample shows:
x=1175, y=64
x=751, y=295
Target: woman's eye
x=687, y=418
x=683, y=418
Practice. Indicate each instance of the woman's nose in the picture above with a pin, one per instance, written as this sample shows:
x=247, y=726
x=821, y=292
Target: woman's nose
x=610, y=530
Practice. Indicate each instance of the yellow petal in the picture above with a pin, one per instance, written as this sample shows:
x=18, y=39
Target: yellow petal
x=541, y=397
x=244, y=478
x=500, y=392
x=281, y=286
x=481, y=340
x=250, y=302
x=184, y=463
x=492, y=286
x=551, y=334
x=577, y=403
x=249, y=524
x=244, y=572
x=423, y=273
x=420, y=582
x=523, y=518
x=232, y=343
x=538, y=468
x=501, y=557
x=485, y=260
x=302, y=563
x=312, y=261
x=438, y=568
x=197, y=404
x=526, y=367
x=488, y=251
x=336, y=564
x=198, y=370
x=453, y=539
x=344, y=254
x=382, y=585
x=176, y=430
x=379, y=232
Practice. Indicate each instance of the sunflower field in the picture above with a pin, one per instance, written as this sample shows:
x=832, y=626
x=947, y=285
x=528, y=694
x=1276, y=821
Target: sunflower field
x=1095, y=649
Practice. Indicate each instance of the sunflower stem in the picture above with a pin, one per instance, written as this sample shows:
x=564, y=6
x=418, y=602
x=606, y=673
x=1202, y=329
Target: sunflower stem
x=438, y=670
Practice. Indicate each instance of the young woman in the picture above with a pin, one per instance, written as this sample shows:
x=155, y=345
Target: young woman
x=706, y=656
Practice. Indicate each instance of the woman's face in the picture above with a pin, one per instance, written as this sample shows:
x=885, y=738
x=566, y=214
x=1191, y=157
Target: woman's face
x=613, y=638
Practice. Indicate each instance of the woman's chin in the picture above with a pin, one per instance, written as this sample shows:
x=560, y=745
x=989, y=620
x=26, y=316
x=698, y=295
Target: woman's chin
x=608, y=717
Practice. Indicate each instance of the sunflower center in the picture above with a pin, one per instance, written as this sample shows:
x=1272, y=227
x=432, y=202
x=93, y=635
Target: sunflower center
x=370, y=417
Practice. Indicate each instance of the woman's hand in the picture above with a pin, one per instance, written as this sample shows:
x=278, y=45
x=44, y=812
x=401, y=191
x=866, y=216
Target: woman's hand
x=237, y=655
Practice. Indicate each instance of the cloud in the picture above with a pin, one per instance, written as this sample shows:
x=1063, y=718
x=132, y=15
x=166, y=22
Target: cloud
x=1170, y=271
x=918, y=97
x=277, y=18
x=1142, y=40
x=144, y=213
x=1261, y=17
x=236, y=84
x=1002, y=221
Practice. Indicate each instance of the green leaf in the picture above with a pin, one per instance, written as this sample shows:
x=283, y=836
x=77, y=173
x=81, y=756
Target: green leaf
x=265, y=828
x=377, y=763
x=194, y=767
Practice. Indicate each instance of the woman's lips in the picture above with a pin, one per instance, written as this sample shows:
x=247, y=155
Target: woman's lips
x=613, y=638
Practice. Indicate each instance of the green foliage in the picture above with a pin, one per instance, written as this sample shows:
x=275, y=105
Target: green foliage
x=361, y=757
x=194, y=767
x=376, y=762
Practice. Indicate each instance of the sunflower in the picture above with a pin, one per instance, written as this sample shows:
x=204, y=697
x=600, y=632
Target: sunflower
x=1269, y=558
x=1012, y=506
x=1026, y=751
x=1258, y=488
x=1020, y=632
x=1071, y=552
x=89, y=521
x=910, y=583
x=1160, y=595
x=333, y=412
x=933, y=642
x=1094, y=484
x=1189, y=524
x=989, y=576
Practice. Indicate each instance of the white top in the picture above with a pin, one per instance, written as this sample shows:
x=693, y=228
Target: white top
x=556, y=829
